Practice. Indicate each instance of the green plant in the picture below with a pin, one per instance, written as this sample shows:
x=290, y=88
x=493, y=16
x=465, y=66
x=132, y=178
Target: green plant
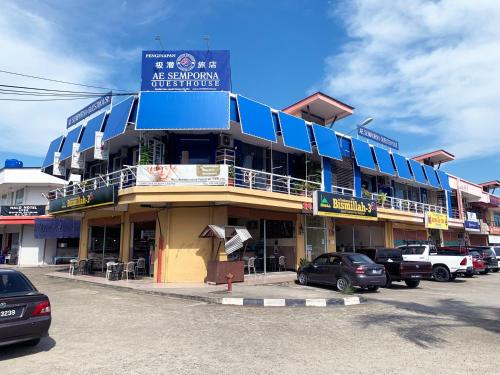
x=231, y=171
x=144, y=157
x=348, y=290
x=382, y=197
x=303, y=262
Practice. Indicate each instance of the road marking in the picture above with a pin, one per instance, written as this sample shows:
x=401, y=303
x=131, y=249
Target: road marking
x=278, y=302
x=351, y=301
x=232, y=301
x=316, y=302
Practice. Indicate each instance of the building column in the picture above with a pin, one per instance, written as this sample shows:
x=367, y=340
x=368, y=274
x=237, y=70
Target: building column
x=459, y=201
x=389, y=234
x=357, y=181
x=125, y=237
x=84, y=238
x=448, y=202
x=161, y=246
x=326, y=175
x=300, y=239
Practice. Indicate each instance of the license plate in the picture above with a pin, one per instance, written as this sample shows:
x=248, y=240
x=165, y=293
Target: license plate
x=376, y=272
x=10, y=313
x=415, y=276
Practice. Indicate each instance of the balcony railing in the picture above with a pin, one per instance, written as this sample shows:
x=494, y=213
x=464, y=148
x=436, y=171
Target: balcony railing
x=243, y=177
x=406, y=205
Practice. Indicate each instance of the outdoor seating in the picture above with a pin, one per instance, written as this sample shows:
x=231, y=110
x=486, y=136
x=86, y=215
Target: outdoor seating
x=82, y=266
x=282, y=263
x=73, y=266
x=129, y=269
x=140, y=267
x=251, y=265
x=110, y=270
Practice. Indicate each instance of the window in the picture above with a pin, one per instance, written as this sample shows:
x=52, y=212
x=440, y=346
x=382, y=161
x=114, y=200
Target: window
x=277, y=229
x=19, y=196
x=335, y=261
x=321, y=260
x=413, y=250
x=4, y=199
x=497, y=250
x=359, y=259
x=13, y=283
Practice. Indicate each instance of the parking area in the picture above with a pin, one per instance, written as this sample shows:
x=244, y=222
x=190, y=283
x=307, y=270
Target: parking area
x=109, y=331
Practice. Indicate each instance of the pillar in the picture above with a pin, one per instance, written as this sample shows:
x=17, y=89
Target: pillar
x=84, y=238
x=300, y=239
x=326, y=174
x=161, y=246
x=389, y=234
x=125, y=237
x=357, y=181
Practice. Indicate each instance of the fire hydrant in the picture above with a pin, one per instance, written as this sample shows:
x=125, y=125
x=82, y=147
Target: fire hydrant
x=229, y=277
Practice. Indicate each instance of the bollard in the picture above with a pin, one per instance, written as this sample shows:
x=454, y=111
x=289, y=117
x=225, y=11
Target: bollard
x=229, y=277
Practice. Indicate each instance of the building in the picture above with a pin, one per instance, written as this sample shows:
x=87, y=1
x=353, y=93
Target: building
x=23, y=203
x=151, y=173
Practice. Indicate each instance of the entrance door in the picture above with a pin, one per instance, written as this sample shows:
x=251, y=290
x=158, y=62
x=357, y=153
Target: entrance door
x=315, y=237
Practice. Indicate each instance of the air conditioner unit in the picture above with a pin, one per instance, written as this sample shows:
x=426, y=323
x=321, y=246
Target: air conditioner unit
x=225, y=140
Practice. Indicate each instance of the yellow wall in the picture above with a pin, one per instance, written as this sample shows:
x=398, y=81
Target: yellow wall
x=389, y=234
x=300, y=244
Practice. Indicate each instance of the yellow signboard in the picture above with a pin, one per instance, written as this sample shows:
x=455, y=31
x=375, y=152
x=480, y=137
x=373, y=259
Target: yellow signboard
x=434, y=220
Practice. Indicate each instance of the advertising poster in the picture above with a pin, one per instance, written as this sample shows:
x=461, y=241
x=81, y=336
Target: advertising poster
x=182, y=175
x=337, y=205
x=434, y=220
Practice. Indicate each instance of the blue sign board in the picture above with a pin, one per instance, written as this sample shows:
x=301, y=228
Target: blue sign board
x=379, y=138
x=186, y=71
x=472, y=226
x=93, y=107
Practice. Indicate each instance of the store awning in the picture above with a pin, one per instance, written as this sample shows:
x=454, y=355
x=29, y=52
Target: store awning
x=431, y=176
x=326, y=142
x=256, y=119
x=384, y=161
x=418, y=172
x=72, y=137
x=54, y=147
x=118, y=119
x=214, y=231
x=363, y=154
x=294, y=132
x=164, y=111
x=444, y=180
x=17, y=220
x=93, y=126
x=402, y=166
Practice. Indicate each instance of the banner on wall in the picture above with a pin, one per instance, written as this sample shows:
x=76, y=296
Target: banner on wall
x=472, y=226
x=435, y=220
x=104, y=196
x=93, y=107
x=58, y=169
x=22, y=210
x=76, y=157
x=186, y=71
x=101, y=151
x=182, y=175
x=337, y=205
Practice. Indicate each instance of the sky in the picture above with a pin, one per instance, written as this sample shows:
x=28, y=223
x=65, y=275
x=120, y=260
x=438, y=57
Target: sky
x=428, y=72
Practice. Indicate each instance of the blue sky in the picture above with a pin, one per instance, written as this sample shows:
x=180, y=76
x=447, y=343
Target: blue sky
x=425, y=70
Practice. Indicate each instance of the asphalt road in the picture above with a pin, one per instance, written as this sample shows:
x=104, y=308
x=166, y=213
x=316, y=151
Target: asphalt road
x=439, y=328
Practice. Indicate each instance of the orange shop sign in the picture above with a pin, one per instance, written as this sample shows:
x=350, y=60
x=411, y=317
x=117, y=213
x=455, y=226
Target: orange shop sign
x=434, y=220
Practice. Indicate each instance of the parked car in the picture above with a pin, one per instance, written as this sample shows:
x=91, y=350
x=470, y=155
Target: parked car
x=397, y=269
x=445, y=267
x=489, y=256
x=25, y=314
x=458, y=250
x=496, y=249
x=343, y=270
x=478, y=263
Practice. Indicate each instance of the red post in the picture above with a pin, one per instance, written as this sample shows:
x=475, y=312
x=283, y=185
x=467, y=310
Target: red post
x=229, y=277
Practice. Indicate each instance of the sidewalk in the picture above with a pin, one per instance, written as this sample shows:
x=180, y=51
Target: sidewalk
x=271, y=290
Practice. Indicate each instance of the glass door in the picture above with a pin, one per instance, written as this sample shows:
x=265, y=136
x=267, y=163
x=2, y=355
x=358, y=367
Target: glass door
x=315, y=236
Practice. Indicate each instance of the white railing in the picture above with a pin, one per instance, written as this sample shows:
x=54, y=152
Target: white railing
x=406, y=205
x=258, y=180
x=342, y=190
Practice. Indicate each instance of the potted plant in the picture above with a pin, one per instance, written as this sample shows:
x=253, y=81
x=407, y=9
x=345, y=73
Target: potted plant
x=231, y=175
x=382, y=197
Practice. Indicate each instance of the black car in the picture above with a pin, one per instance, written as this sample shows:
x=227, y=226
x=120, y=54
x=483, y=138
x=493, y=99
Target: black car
x=24, y=311
x=343, y=270
x=489, y=256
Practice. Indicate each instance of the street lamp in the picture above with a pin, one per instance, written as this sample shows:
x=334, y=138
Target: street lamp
x=362, y=123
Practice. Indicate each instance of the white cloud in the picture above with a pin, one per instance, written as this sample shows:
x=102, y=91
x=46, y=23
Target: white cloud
x=31, y=45
x=431, y=63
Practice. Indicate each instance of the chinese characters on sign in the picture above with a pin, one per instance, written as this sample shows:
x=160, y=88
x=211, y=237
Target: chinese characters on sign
x=379, y=138
x=186, y=71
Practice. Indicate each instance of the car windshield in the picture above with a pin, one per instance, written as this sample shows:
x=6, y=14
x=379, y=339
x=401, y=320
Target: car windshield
x=475, y=254
x=13, y=283
x=359, y=259
x=497, y=250
x=389, y=253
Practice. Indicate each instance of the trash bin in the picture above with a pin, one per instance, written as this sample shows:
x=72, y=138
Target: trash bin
x=2, y=259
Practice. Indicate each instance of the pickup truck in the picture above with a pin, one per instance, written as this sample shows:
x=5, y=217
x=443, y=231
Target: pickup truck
x=397, y=269
x=445, y=267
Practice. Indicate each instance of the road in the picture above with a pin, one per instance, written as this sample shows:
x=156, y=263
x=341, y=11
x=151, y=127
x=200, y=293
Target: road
x=439, y=328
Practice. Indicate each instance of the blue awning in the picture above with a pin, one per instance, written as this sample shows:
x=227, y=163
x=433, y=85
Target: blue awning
x=444, y=180
x=186, y=110
x=72, y=137
x=402, y=167
x=294, y=132
x=363, y=154
x=431, y=176
x=326, y=142
x=55, y=146
x=384, y=161
x=418, y=172
x=118, y=119
x=93, y=126
x=256, y=119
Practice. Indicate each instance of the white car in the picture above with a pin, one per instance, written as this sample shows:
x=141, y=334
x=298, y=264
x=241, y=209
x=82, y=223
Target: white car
x=445, y=266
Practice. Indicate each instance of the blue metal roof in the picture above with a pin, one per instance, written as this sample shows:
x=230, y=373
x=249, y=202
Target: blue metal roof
x=256, y=119
x=54, y=147
x=118, y=119
x=444, y=179
x=326, y=142
x=431, y=176
x=93, y=126
x=418, y=172
x=402, y=167
x=294, y=132
x=384, y=161
x=363, y=154
x=72, y=137
x=183, y=110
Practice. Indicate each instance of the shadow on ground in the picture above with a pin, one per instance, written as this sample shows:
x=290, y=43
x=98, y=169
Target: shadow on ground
x=429, y=328
x=21, y=350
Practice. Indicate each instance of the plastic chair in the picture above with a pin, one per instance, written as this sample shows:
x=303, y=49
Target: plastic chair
x=73, y=266
x=140, y=266
x=250, y=265
x=129, y=269
x=82, y=266
x=282, y=263
x=110, y=269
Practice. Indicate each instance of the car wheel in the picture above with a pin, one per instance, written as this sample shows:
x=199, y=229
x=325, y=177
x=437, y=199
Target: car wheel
x=495, y=270
x=388, y=282
x=33, y=342
x=343, y=284
x=302, y=278
x=412, y=283
x=453, y=277
x=372, y=288
x=441, y=274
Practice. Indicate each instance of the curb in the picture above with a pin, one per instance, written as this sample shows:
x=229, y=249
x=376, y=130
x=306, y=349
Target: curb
x=234, y=301
x=286, y=302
